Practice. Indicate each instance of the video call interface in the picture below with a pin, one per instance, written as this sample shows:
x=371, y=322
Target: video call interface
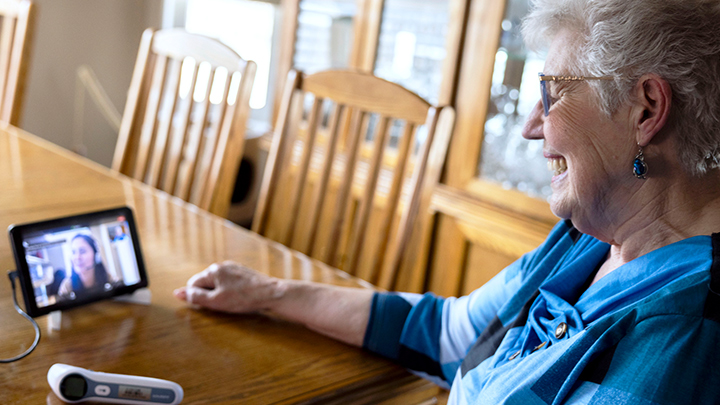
x=73, y=262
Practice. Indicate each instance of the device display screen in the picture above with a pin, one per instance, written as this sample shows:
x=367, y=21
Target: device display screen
x=129, y=392
x=70, y=261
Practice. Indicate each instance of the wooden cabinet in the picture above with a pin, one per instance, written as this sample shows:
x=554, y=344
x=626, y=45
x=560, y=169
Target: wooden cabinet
x=482, y=221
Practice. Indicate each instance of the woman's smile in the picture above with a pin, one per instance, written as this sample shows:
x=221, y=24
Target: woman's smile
x=557, y=165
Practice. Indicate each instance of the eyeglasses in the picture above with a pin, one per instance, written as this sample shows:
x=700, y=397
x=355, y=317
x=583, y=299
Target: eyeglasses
x=546, y=100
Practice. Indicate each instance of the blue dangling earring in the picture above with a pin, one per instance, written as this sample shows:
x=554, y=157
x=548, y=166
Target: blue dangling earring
x=640, y=168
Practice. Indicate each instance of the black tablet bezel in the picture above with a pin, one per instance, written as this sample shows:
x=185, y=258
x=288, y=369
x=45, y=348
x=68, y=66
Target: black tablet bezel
x=16, y=233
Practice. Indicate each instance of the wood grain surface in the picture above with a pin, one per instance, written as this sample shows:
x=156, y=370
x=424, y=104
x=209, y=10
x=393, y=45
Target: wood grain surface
x=216, y=358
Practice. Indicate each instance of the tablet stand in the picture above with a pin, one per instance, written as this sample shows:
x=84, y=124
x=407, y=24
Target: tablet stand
x=141, y=296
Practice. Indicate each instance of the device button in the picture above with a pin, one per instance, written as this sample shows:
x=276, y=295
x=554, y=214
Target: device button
x=102, y=390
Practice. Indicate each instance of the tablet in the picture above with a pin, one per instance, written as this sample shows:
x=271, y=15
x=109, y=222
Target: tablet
x=66, y=262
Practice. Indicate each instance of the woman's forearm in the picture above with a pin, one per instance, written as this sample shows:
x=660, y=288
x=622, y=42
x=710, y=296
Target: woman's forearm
x=339, y=312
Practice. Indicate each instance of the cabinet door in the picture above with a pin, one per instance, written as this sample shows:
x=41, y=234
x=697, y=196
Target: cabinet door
x=418, y=46
x=324, y=35
x=316, y=35
x=507, y=159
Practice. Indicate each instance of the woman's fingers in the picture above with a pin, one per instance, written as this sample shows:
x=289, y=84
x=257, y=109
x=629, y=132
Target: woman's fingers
x=202, y=297
x=65, y=287
x=180, y=293
x=205, y=279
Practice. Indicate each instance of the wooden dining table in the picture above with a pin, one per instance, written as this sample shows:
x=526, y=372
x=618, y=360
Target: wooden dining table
x=215, y=357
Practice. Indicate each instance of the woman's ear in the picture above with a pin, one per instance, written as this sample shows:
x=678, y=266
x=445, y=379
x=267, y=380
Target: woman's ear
x=654, y=98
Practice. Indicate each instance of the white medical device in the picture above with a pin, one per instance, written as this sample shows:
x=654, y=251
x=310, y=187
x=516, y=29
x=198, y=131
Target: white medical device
x=75, y=384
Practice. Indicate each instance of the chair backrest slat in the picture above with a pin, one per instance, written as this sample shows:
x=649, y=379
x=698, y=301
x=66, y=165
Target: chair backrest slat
x=346, y=182
x=299, y=182
x=404, y=145
x=196, y=142
x=172, y=135
x=221, y=178
x=165, y=117
x=366, y=202
x=147, y=135
x=212, y=137
x=318, y=199
x=179, y=136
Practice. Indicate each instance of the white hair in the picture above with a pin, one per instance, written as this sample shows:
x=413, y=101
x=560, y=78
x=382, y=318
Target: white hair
x=679, y=40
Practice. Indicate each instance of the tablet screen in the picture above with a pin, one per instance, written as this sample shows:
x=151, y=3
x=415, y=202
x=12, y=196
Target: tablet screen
x=69, y=261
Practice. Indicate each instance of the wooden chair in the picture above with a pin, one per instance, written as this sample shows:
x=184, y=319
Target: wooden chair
x=349, y=175
x=16, y=27
x=184, y=122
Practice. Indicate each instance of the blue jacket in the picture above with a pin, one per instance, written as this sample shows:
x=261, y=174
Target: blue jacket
x=647, y=333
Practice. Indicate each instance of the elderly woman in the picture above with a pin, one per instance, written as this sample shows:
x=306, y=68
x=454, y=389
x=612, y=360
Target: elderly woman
x=619, y=304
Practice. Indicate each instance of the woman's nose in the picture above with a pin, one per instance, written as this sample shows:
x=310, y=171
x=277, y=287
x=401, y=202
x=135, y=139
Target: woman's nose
x=533, y=128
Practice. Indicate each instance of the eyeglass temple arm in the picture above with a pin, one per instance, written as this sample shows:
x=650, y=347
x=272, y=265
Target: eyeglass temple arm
x=544, y=78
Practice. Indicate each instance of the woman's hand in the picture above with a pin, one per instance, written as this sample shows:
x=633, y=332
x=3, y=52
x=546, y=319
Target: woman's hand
x=231, y=287
x=65, y=287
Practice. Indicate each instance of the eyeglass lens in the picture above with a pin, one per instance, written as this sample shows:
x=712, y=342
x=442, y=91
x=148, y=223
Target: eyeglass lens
x=544, y=95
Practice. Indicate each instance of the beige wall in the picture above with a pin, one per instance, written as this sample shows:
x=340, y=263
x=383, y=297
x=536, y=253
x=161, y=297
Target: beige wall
x=103, y=34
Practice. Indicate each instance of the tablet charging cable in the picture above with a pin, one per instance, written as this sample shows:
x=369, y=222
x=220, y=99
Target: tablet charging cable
x=12, y=275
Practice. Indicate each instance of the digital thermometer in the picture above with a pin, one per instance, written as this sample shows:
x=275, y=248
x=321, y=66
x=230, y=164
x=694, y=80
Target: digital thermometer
x=75, y=384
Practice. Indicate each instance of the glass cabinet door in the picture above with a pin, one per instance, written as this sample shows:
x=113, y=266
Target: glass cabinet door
x=324, y=36
x=507, y=159
x=412, y=45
